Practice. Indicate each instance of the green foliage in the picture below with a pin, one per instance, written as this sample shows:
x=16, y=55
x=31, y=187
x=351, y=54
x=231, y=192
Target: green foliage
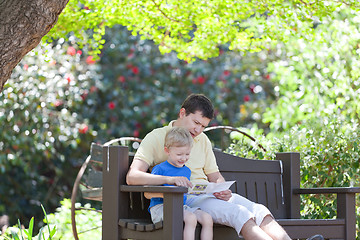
x=88, y=222
x=330, y=157
x=196, y=29
x=42, y=139
x=18, y=233
x=319, y=78
x=58, y=224
x=140, y=87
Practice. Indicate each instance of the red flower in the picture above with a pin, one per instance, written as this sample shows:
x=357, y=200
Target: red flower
x=84, y=95
x=138, y=125
x=90, y=60
x=68, y=77
x=121, y=79
x=78, y=52
x=246, y=98
x=226, y=73
x=135, y=70
x=71, y=51
x=136, y=133
x=83, y=129
x=201, y=80
x=267, y=76
x=111, y=105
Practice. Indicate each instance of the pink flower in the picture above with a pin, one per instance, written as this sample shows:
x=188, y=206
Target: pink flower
x=26, y=67
x=90, y=60
x=78, y=52
x=58, y=103
x=121, y=79
x=252, y=86
x=71, y=51
x=93, y=89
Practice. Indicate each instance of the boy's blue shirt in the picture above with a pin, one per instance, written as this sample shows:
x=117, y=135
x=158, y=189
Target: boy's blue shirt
x=166, y=169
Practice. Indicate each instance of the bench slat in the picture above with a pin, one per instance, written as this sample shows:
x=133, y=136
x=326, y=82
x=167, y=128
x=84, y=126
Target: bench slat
x=92, y=194
x=142, y=225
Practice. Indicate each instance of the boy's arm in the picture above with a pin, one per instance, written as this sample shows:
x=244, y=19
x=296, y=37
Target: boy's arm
x=153, y=195
x=137, y=175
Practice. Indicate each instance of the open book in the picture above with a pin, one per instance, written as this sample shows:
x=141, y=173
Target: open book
x=204, y=188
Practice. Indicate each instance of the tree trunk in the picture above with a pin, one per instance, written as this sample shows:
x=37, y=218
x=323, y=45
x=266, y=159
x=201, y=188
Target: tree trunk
x=22, y=25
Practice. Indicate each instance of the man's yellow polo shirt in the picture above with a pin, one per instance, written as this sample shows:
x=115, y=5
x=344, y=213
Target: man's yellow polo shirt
x=201, y=162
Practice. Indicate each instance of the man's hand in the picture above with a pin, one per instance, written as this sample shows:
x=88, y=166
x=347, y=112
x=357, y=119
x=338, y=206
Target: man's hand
x=223, y=195
x=179, y=181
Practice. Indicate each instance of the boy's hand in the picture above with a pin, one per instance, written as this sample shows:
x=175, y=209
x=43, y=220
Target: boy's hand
x=223, y=195
x=180, y=181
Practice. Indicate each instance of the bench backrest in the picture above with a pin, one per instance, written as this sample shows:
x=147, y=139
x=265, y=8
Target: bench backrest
x=258, y=180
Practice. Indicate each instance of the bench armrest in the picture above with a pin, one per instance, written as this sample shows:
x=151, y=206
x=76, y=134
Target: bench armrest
x=153, y=189
x=329, y=190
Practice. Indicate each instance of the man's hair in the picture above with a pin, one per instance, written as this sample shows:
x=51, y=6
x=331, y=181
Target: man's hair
x=198, y=102
x=178, y=137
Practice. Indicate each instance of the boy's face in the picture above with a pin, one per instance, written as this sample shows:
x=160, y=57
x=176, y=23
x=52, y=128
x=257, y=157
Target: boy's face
x=178, y=156
x=194, y=122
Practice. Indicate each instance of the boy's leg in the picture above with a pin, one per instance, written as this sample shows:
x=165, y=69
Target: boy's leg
x=206, y=224
x=190, y=225
x=157, y=213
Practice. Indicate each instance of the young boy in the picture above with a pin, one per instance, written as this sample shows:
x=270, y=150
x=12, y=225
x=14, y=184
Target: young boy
x=178, y=143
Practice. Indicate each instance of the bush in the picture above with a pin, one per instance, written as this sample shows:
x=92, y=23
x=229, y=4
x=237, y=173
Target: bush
x=330, y=155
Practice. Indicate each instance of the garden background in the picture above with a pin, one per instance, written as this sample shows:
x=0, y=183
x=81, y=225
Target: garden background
x=296, y=95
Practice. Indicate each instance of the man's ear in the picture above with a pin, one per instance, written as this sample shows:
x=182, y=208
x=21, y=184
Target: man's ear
x=182, y=113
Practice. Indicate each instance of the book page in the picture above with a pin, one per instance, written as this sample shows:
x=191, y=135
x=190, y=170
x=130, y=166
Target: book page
x=207, y=188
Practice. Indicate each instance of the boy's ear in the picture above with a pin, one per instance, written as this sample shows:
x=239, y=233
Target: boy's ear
x=166, y=150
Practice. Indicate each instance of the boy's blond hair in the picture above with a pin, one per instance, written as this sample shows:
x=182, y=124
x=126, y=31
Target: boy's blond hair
x=178, y=137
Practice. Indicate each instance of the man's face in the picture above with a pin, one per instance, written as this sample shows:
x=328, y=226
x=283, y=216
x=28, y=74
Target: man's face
x=194, y=122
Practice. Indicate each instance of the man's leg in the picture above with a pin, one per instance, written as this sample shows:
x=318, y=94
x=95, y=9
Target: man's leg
x=273, y=229
x=252, y=231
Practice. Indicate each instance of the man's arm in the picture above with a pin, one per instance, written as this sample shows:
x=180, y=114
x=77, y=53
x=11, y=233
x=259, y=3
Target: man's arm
x=217, y=177
x=137, y=175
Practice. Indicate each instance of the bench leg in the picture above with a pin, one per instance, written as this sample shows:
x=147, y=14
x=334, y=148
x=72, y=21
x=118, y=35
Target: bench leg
x=173, y=216
x=346, y=210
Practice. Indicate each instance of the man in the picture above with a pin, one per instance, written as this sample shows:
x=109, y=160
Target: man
x=253, y=221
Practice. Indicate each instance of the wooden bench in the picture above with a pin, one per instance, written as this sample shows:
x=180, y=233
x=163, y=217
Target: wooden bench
x=276, y=184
